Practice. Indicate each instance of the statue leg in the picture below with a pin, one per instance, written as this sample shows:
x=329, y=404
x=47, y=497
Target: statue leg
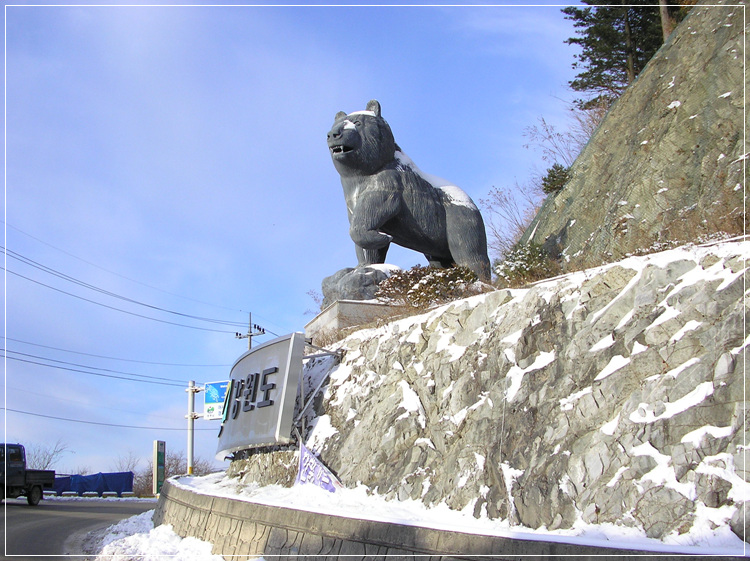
x=439, y=262
x=467, y=240
x=371, y=256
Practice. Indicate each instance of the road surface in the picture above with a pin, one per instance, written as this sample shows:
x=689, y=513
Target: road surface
x=44, y=529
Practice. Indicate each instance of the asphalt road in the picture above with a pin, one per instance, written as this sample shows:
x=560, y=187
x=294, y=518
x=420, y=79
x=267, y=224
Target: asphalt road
x=32, y=532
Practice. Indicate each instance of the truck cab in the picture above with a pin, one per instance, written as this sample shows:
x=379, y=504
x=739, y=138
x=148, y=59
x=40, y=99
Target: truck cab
x=15, y=464
x=17, y=480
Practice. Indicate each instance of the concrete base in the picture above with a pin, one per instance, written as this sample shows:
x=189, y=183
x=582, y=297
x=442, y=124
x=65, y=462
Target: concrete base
x=239, y=528
x=343, y=314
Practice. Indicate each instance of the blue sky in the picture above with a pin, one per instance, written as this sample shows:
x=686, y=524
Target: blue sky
x=176, y=156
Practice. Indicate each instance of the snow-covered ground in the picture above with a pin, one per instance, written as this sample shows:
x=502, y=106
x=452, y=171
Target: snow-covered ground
x=136, y=538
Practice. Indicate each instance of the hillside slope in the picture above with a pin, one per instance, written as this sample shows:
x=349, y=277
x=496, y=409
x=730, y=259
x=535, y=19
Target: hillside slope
x=667, y=161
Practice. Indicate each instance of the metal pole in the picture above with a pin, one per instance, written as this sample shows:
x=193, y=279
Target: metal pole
x=191, y=424
x=250, y=331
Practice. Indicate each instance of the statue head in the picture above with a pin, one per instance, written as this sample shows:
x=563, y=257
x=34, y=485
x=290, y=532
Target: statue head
x=361, y=143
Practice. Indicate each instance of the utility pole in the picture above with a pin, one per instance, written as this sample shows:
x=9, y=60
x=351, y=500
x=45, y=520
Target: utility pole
x=249, y=331
x=191, y=417
x=252, y=331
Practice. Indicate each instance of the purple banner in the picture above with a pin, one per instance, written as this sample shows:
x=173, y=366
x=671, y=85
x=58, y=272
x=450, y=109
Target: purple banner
x=313, y=472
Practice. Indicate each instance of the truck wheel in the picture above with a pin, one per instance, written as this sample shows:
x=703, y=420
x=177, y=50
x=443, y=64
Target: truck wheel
x=34, y=496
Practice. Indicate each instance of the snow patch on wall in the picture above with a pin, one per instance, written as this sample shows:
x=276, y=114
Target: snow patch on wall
x=645, y=412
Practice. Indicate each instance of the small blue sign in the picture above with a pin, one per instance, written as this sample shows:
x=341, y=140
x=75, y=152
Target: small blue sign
x=214, y=397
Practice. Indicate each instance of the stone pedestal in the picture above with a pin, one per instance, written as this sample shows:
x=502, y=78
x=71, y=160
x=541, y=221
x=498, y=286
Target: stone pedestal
x=355, y=284
x=345, y=313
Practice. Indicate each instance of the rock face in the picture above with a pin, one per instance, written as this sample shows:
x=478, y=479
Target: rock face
x=612, y=395
x=355, y=284
x=667, y=161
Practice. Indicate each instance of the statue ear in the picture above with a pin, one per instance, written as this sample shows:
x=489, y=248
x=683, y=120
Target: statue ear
x=374, y=106
x=339, y=115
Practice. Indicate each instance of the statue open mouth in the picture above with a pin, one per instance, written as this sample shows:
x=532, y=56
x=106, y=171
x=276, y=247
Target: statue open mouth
x=341, y=149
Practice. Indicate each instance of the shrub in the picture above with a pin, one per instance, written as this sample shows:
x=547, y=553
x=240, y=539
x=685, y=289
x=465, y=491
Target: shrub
x=422, y=287
x=524, y=264
x=555, y=179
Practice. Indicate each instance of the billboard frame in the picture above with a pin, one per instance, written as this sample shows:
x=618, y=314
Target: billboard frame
x=263, y=387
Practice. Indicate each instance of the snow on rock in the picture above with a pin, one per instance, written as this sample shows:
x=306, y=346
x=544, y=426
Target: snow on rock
x=410, y=403
x=321, y=430
x=605, y=343
x=689, y=326
x=385, y=267
x=663, y=473
x=684, y=366
x=610, y=427
x=695, y=437
x=516, y=373
x=646, y=413
x=566, y=404
x=616, y=363
x=596, y=383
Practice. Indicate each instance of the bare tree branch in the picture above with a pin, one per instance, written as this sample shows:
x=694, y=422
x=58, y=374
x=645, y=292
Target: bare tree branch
x=127, y=463
x=44, y=456
x=508, y=213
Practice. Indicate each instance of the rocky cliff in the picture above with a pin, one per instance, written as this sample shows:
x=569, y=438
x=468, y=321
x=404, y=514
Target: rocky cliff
x=609, y=396
x=667, y=161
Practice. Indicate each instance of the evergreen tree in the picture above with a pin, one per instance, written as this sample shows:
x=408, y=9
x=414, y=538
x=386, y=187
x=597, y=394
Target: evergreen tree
x=617, y=41
x=555, y=179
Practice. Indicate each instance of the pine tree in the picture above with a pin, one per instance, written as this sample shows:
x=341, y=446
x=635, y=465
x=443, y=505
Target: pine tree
x=555, y=178
x=617, y=41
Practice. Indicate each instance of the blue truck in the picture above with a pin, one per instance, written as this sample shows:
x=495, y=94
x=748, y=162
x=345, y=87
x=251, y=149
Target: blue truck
x=19, y=481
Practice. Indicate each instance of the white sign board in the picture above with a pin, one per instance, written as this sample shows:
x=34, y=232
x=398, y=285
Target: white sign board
x=159, y=463
x=263, y=386
x=213, y=400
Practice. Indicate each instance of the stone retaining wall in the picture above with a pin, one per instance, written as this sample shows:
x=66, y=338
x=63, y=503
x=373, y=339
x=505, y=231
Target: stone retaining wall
x=240, y=529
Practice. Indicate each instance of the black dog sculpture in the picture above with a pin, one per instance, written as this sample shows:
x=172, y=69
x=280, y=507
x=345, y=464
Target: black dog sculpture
x=389, y=199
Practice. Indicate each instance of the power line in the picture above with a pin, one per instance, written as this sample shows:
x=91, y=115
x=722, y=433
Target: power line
x=113, y=308
x=93, y=373
x=93, y=422
x=125, y=277
x=117, y=274
x=38, y=394
x=90, y=367
x=120, y=359
x=17, y=256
